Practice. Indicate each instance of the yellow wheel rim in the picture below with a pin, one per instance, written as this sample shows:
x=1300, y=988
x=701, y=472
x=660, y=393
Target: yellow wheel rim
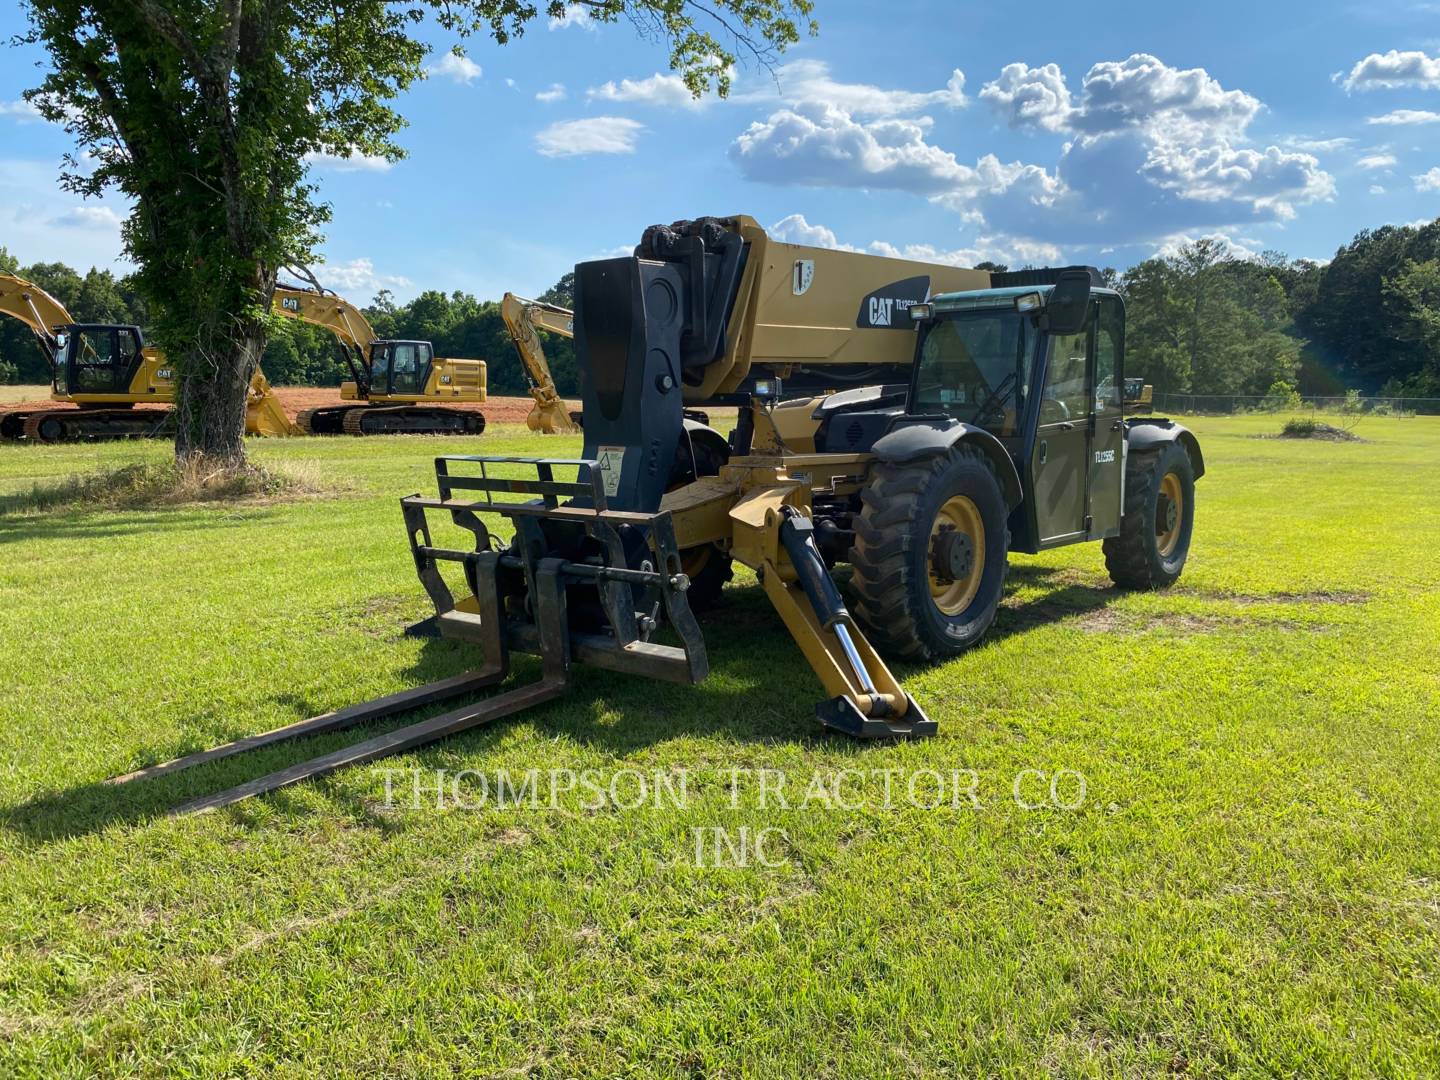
x=956, y=555
x=1169, y=514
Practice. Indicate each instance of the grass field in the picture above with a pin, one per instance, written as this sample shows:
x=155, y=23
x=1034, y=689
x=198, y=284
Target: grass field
x=1250, y=885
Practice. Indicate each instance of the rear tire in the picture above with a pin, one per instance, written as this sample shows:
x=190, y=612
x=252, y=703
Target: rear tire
x=931, y=553
x=708, y=566
x=1158, y=519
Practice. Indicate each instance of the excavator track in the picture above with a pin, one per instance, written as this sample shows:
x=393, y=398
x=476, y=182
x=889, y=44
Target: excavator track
x=12, y=424
x=328, y=420
x=77, y=425
x=411, y=420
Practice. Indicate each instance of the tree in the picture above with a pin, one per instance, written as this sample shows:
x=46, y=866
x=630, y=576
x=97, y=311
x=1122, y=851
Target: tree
x=562, y=293
x=1203, y=322
x=1350, y=314
x=1413, y=300
x=206, y=114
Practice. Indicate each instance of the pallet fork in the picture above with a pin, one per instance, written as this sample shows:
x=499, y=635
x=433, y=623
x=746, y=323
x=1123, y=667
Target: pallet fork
x=595, y=609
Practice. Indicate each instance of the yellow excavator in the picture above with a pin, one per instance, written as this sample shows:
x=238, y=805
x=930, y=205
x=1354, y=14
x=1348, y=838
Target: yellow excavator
x=105, y=370
x=397, y=387
x=523, y=318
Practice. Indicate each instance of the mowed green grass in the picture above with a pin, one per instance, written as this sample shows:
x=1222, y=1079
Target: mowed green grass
x=1251, y=885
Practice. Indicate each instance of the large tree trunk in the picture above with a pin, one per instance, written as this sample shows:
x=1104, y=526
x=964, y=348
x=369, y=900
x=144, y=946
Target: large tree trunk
x=214, y=387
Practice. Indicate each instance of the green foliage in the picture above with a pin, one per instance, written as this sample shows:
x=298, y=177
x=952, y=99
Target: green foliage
x=1282, y=395
x=207, y=115
x=1353, y=403
x=562, y=293
x=9, y=373
x=1300, y=427
x=1371, y=316
x=1203, y=322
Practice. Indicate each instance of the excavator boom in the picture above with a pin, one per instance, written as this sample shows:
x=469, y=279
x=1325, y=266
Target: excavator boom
x=523, y=318
x=37, y=309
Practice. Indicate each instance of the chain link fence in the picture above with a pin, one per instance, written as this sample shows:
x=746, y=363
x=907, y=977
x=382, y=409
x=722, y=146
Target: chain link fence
x=1348, y=405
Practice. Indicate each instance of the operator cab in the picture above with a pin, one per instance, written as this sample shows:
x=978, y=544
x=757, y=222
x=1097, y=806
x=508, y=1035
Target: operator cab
x=97, y=358
x=1039, y=365
x=400, y=367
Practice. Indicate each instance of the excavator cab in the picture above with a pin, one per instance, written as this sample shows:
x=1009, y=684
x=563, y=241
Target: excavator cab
x=400, y=367
x=97, y=359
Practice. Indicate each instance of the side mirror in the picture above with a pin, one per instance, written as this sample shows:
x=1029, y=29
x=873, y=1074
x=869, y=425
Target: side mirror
x=1069, y=302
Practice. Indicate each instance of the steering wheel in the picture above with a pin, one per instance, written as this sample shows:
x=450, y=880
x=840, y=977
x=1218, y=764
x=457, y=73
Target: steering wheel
x=1053, y=405
x=995, y=397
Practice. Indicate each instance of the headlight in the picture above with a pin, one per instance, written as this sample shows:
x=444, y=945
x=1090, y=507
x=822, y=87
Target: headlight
x=1028, y=303
x=920, y=311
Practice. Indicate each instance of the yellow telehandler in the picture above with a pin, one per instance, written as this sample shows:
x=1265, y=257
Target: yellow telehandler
x=398, y=387
x=105, y=370
x=919, y=422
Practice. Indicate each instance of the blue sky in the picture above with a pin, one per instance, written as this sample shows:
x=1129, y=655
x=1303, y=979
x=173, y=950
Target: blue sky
x=948, y=131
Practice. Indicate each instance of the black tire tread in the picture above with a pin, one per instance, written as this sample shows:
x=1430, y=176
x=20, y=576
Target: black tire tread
x=1129, y=556
x=885, y=530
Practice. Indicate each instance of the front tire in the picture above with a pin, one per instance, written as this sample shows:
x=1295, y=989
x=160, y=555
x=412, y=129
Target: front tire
x=1158, y=520
x=931, y=553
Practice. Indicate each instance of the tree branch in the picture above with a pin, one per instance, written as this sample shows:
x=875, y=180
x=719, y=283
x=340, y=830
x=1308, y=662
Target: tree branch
x=164, y=24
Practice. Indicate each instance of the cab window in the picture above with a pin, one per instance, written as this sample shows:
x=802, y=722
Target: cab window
x=95, y=362
x=1109, y=350
x=975, y=368
x=1066, y=396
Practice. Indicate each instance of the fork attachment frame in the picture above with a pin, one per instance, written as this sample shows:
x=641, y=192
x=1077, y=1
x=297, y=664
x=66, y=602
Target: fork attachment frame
x=622, y=579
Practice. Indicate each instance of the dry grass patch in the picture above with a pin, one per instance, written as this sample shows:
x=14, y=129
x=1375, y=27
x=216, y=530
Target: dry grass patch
x=154, y=484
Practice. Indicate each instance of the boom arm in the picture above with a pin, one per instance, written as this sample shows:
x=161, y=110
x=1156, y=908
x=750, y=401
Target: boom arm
x=37, y=309
x=522, y=319
x=340, y=317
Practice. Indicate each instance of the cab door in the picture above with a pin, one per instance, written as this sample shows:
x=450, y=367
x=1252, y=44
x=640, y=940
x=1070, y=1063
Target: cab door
x=1107, y=448
x=1059, y=459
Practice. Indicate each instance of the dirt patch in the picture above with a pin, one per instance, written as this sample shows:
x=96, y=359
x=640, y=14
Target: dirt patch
x=1315, y=429
x=1318, y=596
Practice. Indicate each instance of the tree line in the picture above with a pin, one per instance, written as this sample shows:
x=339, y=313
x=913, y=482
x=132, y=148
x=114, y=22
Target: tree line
x=1200, y=321
x=299, y=354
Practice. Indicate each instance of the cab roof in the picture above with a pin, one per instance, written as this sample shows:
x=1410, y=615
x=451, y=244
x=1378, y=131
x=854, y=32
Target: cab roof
x=983, y=297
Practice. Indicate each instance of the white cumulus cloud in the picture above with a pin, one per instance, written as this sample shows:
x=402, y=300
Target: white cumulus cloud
x=1406, y=116
x=353, y=162
x=794, y=229
x=22, y=110
x=810, y=80
x=573, y=15
x=460, y=69
x=1393, y=70
x=824, y=146
x=1428, y=181
x=551, y=94
x=1030, y=97
x=1380, y=160
x=358, y=277
x=658, y=89
x=88, y=217
x=594, y=135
